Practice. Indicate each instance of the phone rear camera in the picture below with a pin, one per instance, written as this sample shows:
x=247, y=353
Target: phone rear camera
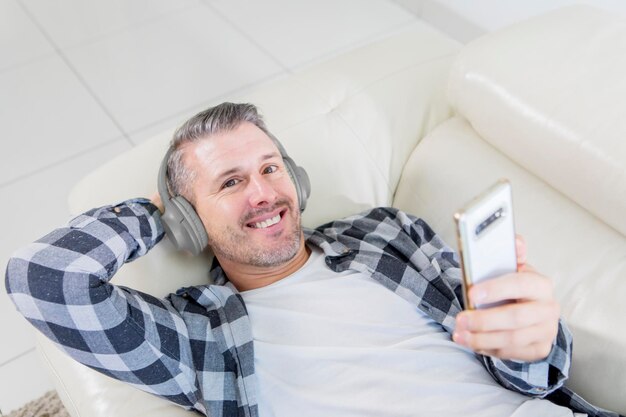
x=489, y=221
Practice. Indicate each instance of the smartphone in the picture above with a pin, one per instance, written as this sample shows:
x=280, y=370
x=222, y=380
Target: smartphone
x=486, y=238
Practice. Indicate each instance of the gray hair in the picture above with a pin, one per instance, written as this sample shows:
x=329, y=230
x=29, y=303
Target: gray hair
x=221, y=118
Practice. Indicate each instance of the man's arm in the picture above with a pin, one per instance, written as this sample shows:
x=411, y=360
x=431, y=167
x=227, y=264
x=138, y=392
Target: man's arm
x=61, y=285
x=538, y=376
x=520, y=337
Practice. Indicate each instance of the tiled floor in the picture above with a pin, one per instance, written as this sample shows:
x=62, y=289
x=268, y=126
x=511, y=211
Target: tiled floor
x=84, y=80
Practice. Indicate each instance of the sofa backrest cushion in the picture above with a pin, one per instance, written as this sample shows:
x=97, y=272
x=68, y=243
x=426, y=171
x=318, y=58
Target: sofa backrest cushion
x=549, y=94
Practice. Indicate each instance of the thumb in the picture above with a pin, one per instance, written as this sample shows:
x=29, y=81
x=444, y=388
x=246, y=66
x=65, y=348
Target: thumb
x=520, y=249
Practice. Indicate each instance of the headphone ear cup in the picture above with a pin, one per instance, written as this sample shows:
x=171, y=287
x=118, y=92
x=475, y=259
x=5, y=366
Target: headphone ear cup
x=193, y=224
x=184, y=227
x=303, y=184
x=300, y=179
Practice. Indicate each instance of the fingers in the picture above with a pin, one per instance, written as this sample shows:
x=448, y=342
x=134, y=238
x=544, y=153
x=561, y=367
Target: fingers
x=526, y=268
x=508, y=317
x=506, y=340
x=529, y=344
x=530, y=353
x=523, y=329
x=502, y=340
x=520, y=250
x=155, y=198
x=525, y=285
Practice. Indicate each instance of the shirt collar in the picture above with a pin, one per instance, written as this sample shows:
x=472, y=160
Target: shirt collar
x=330, y=246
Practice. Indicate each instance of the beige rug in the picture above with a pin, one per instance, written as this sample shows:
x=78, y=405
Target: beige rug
x=49, y=405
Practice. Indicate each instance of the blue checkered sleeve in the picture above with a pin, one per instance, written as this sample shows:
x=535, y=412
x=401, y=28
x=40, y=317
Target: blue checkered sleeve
x=60, y=283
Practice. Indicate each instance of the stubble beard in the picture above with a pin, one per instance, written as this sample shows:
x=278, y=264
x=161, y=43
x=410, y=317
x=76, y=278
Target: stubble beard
x=234, y=245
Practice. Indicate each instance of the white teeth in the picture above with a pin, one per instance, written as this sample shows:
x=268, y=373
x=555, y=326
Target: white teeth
x=268, y=222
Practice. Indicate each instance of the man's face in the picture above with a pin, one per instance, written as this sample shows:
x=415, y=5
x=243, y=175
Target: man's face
x=245, y=197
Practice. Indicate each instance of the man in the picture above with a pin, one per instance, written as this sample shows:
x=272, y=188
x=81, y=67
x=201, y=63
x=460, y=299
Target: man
x=297, y=321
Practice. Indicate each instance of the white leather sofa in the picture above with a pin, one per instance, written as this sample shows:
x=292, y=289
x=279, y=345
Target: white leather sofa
x=422, y=123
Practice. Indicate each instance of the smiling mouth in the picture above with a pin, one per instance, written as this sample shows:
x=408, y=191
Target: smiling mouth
x=267, y=223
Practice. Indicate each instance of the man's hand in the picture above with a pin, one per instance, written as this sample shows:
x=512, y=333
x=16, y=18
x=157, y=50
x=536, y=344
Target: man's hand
x=523, y=330
x=155, y=198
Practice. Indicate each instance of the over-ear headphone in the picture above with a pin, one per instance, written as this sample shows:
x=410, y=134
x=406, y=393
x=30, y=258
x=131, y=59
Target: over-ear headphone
x=183, y=225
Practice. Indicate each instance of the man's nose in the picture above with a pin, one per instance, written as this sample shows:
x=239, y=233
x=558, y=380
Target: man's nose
x=261, y=192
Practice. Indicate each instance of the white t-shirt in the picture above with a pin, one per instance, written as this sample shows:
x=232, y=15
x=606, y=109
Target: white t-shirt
x=329, y=344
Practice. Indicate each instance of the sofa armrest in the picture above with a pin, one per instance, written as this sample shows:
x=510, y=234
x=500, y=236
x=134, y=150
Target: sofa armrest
x=549, y=94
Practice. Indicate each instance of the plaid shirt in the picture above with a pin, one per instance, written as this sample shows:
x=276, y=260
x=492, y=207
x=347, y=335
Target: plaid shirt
x=195, y=347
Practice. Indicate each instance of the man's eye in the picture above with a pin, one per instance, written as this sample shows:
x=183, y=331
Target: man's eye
x=230, y=183
x=270, y=169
